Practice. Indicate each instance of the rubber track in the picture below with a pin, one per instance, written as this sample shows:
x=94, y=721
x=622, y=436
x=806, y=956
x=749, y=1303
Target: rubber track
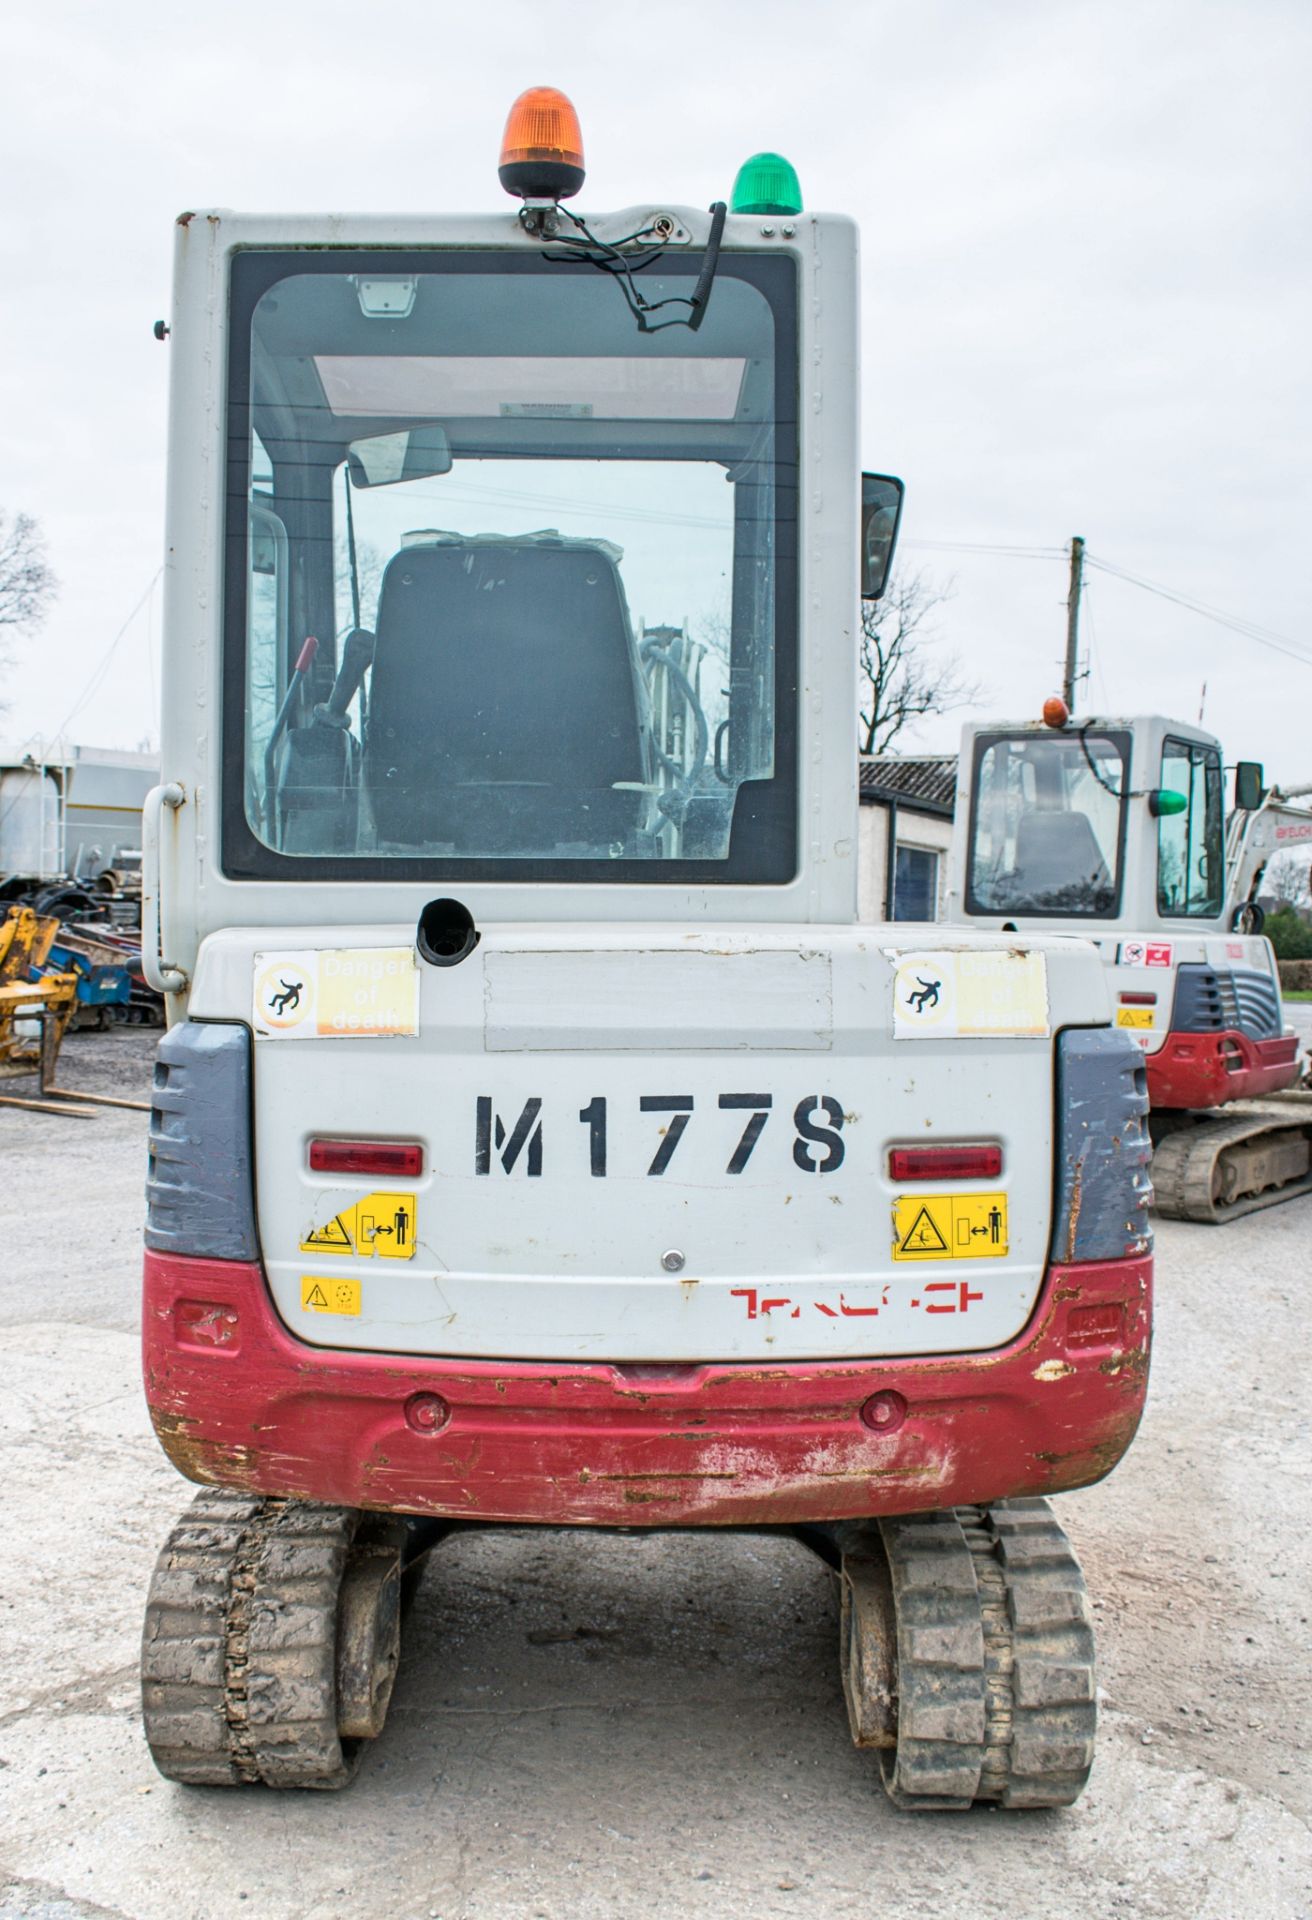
x=1038, y=1656
x=238, y=1658
x=996, y=1696
x=941, y=1717
x=1183, y=1164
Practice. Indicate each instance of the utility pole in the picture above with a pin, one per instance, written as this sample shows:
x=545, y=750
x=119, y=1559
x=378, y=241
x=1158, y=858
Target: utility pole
x=1073, y=624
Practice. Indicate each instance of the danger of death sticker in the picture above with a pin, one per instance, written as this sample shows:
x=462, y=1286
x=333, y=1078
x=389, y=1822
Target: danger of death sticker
x=950, y=1226
x=381, y=1223
x=942, y=995
x=322, y=1294
x=341, y=993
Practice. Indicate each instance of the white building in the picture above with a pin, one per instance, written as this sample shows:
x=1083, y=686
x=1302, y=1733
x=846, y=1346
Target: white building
x=73, y=811
x=906, y=804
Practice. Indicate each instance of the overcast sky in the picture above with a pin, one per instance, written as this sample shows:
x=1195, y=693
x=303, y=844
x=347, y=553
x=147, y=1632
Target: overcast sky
x=1086, y=233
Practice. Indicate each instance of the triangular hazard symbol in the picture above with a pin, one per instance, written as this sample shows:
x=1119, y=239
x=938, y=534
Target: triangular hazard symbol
x=317, y=1298
x=923, y=1235
x=333, y=1235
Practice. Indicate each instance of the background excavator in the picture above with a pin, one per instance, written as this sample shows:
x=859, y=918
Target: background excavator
x=1118, y=830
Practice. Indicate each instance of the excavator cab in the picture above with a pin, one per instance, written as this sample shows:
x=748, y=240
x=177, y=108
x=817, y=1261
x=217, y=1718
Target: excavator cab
x=1118, y=829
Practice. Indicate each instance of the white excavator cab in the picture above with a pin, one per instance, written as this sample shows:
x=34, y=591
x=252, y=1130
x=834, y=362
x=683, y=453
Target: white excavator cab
x=1093, y=825
x=1119, y=829
x=539, y=1137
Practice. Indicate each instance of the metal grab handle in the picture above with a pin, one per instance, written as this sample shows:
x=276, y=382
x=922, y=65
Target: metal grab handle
x=163, y=977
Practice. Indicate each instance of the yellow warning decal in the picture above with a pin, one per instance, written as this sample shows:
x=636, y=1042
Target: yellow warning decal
x=330, y=1239
x=382, y=1223
x=1134, y=1016
x=950, y=1226
x=329, y=1295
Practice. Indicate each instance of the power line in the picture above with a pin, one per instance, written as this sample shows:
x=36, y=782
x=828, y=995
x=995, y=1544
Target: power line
x=93, y=685
x=986, y=546
x=1249, y=629
x=1093, y=654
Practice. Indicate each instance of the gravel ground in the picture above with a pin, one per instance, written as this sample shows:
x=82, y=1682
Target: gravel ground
x=81, y=1186
x=636, y=1725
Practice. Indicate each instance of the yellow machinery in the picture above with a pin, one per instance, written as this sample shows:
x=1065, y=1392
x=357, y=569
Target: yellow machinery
x=30, y=996
x=27, y=994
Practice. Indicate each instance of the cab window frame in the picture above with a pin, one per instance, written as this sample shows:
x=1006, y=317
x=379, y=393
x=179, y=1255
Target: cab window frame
x=1199, y=753
x=1122, y=740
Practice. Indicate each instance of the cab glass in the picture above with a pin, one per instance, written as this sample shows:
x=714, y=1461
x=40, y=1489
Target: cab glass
x=549, y=562
x=1048, y=823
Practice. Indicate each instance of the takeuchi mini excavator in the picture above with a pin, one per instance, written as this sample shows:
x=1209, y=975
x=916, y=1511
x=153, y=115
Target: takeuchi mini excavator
x=1118, y=830
x=538, y=1137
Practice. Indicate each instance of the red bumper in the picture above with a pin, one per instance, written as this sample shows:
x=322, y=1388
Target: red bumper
x=237, y=1402
x=1207, y=1069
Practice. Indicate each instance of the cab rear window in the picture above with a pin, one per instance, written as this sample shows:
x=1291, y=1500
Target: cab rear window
x=546, y=561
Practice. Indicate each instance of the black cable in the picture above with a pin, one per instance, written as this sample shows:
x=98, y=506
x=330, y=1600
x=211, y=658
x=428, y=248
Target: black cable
x=350, y=546
x=1115, y=792
x=701, y=293
x=607, y=255
x=355, y=600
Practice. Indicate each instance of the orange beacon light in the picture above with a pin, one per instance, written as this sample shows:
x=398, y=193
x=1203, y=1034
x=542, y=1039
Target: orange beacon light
x=542, y=150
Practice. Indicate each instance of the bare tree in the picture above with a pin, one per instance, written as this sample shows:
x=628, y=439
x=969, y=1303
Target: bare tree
x=902, y=678
x=27, y=584
x=1286, y=880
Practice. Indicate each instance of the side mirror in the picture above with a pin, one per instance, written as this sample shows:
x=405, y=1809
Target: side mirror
x=416, y=453
x=881, y=511
x=1249, y=787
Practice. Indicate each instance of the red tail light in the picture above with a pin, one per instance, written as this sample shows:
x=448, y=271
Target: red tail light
x=395, y=1157
x=945, y=1163
x=1138, y=999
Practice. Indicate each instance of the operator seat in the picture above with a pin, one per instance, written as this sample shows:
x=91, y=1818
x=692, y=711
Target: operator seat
x=1058, y=859
x=505, y=700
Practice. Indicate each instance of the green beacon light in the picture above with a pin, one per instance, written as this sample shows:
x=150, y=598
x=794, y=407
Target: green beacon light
x=767, y=183
x=1162, y=803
